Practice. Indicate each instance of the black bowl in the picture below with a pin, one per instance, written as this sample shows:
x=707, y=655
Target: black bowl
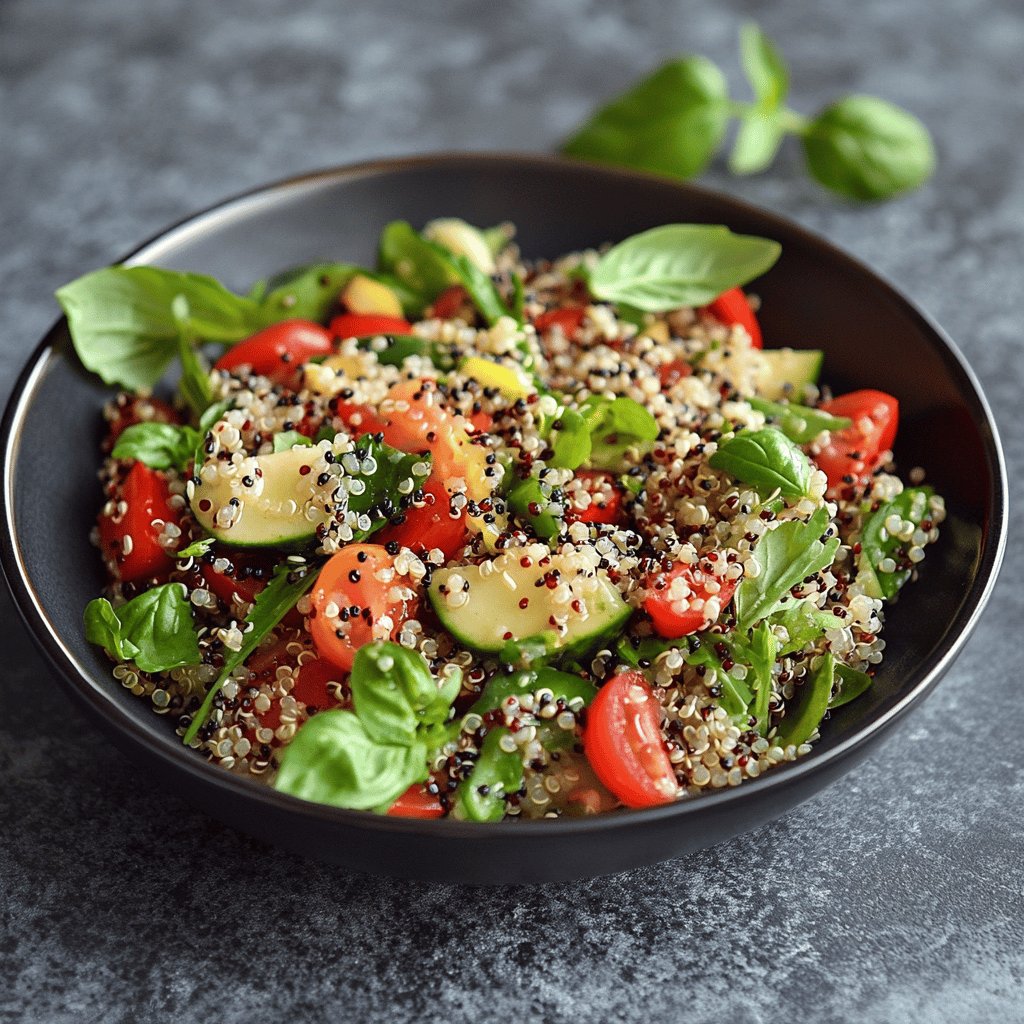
x=814, y=297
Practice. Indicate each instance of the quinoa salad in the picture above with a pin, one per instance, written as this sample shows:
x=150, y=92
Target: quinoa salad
x=464, y=534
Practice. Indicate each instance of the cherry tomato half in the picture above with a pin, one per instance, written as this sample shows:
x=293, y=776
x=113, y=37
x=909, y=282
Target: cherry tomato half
x=673, y=618
x=671, y=373
x=416, y=802
x=605, y=498
x=363, y=607
x=313, y=681
x=854, y=452
x=623, y=742
x=278, y=351
x=246, y=576
x=733, y=307
x=131, y=540
x=362, y=325
x=429, y=527
x=569, y=318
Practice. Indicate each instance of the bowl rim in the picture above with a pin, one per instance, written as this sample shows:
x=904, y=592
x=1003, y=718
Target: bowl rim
x=176, y=756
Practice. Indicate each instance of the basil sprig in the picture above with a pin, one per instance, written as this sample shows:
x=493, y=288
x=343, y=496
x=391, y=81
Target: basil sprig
x=767, y=460
x=158, y=445
x=366, y=757
x=598, y=432
x=156, y=629
x=674, y=121
x=290, y=581
x=787, y=554
x=680, y=265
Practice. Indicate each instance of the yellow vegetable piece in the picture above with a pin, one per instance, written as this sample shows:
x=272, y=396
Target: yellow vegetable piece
x=364, y=295
x=510, y=381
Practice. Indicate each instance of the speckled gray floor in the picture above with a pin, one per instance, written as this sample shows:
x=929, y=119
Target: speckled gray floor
x=896, y=896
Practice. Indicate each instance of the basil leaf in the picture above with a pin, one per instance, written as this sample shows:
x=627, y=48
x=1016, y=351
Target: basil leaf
x=865, y=148
x=615, y=425
x=571, y=442
x=852, y=684
x=386, y=488
x=800, y=423
x=669, y=123
x=195, y=372
x=288, y=439
x=762, y=125
x=758, y=139
x=419, y=265
x=332, y=759
x=158, y=445
x=308, y=292
x=680, y=265
x=479, y=287
x=496, y=775
x=641, y=653
x=394, y=693
x=759, y=652
x=124, y=329
x=155, y=629
x=787, y=554
x=877, y=545
x=764, y=67
x=103, y=628
x=808, y=706
x=766, y=459
x=290, y=581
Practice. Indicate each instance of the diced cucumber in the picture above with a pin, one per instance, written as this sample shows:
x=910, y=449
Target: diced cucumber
x=788, y=371
x=274, y=496
x=484, y=606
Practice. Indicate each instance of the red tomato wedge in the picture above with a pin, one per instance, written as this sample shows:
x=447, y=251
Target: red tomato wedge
x=569, y=319
x=733, y=307
x=278, y=351
x=623, y=743
x=450, y=302
x=361, y=325
x=429, y=527
x=358, y=419
x=417, y=802
x=606, y=498
x=679, y=617
x=854, y=452
x=671, y=373
x=363, y=608
x=246, y=577
x=131, y=539
x=311, y=685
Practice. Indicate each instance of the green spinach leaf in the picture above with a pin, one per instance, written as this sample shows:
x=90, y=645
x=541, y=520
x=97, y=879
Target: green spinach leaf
x=877, y=545
x=852, y=684
x=808, y=706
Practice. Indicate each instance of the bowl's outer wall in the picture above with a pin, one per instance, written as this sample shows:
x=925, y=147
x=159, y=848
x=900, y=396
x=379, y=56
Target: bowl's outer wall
x=871, y=338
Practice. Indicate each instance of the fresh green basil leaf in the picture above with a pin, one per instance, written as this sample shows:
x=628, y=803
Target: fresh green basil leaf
x=787, y=554
x=196, y=549
x=155, y=629
x=386, y=487
x=308, y=292
x=123, y=327
x=332, y=759
x=290, y=581
x=877, y=545
x=641, y=653
x=288, y=439
x=764, y=67
x=478, y=285
x=865, y=148
x=419, y=265
x=194, y=384
x=765, y=459
x=394, y=349
x=615, y=425
x=762, y=652
x=158, y=445
x=103, y=628
x=762, y=125
x=758, y=139
x=394, y=693
x=800, y=423
x=670, y=123
x=808, y=706
x=571, y=442
x=680, y=265
x=852, y=684
x=496, y=775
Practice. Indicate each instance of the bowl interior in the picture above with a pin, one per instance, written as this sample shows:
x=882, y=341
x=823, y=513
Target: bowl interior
x=814, y=297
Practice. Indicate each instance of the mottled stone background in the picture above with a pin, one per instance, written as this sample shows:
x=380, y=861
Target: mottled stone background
x=895, y=896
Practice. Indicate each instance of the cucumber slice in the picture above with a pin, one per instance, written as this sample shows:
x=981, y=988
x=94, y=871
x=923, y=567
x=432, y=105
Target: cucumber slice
x=481, y=605
x=275, y=497
x=787, y=371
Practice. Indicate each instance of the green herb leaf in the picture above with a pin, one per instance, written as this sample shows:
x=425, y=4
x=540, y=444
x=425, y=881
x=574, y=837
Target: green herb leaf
x=763, y=125
x=808, y=706
x=804, y=625
x=764, y=67
x=670, y=123
x=334, y=760
x=571, y=442
x=680, y=265
x=736, y=695
x=308, y=292
x=787, y=554
x=291, y=580
x=800, y=423
x=852, y=684
x=762, y=652
x=394, y=349
x=615, y=425
x=195, y=371
x=642, y=653
x=419, y=265
x=158, y=445
x=123, y=326
x=496, y=775
x=155, y=629
x=767, y=460
x=912, y=505
x=288, y=439
x=865, y=148
x=757, y=141
x=394, y=693
x=196, y=549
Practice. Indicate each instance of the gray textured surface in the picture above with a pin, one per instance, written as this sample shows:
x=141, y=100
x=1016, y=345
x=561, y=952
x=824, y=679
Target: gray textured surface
x=895, y=896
